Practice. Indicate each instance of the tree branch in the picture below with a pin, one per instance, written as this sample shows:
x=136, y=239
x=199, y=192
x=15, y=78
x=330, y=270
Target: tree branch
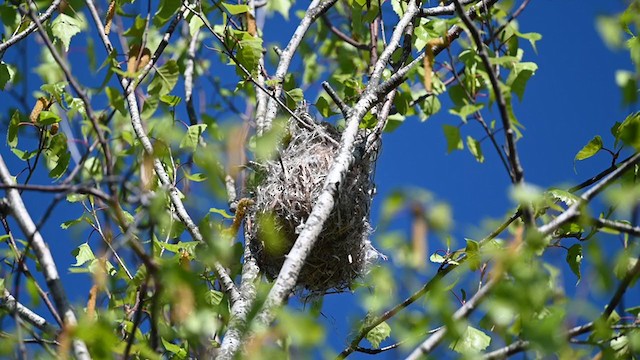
x=31, y=28
x=10, y=303
x=295, y=260
x=518, y=172
x=136, y=121
x=448, y=9
x=574, y=210
x=315, y=10
x=45, y=259
x=432, y=341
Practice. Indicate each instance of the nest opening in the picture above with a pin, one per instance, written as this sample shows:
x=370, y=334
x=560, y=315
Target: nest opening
x=285, y=198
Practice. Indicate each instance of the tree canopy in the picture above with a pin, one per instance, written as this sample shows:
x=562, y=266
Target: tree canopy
x=211, y=169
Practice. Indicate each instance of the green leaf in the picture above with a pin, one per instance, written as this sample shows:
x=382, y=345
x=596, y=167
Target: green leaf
x=12, y=131
x=116, y=100
x=564, y=196
x=56, y=90
x=171, y=100
x=197, y=177
x=473, y=254
x=167, y=9
x=296, y=95
x=48, y=118
x=5, y=75
x=61, y=165
x=214, y=297
x=635, y=311
x=324, y=107
x=574, y=259
x=452, y=134
x=475, y=149
x=378, y=334
x=628, y=84
x=221, y=212
x=465, y=110
x=430, y=106
x=178, y=351
x=250, y=51
x=629, y=131
x=610, y=30
x=195, y=23
x=165, y=79
x=234, y=9
x=532, y=37
x=592, y=148
x=280, y=6
x=65, y=27
x=471, y=341
x=192, y=138
x=519, y=76
x=83, y=254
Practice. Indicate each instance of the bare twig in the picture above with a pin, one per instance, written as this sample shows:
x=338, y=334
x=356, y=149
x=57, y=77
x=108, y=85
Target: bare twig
x=344, y=108
x=188, y=77
x=67, y=189
x=41, y=250
x=616, y=225
x=342, y=36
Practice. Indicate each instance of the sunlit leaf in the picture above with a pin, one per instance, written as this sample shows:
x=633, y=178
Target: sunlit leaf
x=452, y=134
x=64, y=27
x=378, y=334
x=574, y=259
x=472, y=341
x=593, y=146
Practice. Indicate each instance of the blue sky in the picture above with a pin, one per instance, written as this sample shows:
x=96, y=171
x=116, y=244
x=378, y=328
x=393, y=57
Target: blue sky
x=572, y=98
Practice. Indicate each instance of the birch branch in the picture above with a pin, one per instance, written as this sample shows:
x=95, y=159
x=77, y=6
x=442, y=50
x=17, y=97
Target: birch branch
x=574, y=210
x=250, y=270
x=45, y=259
x=10, y=303
x=31, y=28
x=136, y=122
x=295, y=260
x=463, y=312
x=315, y=10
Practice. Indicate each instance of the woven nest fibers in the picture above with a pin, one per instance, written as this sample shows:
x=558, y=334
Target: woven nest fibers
x=285, y=198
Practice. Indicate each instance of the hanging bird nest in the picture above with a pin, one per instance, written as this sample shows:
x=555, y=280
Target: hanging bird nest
x=286, y=196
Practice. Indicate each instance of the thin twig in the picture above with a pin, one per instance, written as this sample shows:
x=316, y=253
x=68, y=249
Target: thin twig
x=342, y=36
x=344, y=108
x=67, y=189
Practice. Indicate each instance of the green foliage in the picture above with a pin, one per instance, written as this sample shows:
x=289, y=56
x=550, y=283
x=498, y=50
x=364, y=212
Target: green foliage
x=156, y=292
x=65, y=27
x=378, y=334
